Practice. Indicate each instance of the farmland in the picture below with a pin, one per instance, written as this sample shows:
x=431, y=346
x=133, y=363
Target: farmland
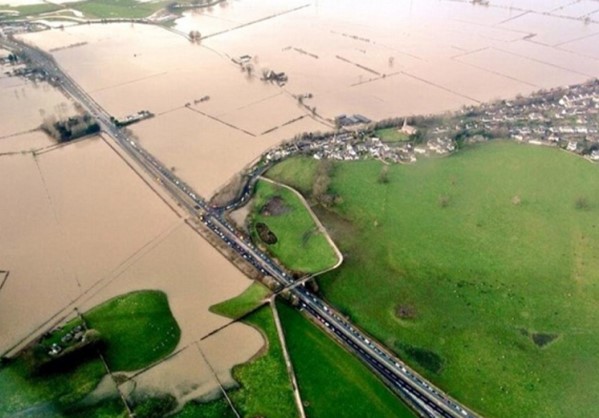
x=282, y=223
x=480, y=271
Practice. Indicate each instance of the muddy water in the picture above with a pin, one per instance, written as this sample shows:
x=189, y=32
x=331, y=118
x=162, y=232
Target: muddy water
x=30, y=249
x=27, y=142
x=194, y=276
x=205, y=151
x=79, y=227
x=68, y=218
x=24, y=105
x=388, y=59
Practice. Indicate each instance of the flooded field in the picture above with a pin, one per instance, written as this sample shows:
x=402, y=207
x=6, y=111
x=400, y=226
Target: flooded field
x=380, y=59
x=25, y=142
x=24, y=105
x=80, y=226
x=207, y=152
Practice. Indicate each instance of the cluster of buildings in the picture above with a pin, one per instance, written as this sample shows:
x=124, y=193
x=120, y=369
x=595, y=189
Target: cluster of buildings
x=137, y=117
x=563, y=117
x=75, y=336
x=362, y=143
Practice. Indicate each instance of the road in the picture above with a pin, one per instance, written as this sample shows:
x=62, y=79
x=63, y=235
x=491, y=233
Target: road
x=421, y=395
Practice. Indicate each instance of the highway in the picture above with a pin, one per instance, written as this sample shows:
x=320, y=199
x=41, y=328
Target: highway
x=421, y=395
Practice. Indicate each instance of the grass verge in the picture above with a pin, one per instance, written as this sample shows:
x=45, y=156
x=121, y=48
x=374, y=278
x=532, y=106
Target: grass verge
x=242, y=304
x=333, y=383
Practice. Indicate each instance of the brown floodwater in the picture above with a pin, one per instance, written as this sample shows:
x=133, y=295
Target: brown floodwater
x=79, y=226
x=25, y=142
x=384, y=59
x=24, y=105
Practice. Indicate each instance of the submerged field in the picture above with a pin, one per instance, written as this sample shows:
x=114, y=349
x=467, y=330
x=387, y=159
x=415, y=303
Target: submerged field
x=481, y=270
x=281, y=222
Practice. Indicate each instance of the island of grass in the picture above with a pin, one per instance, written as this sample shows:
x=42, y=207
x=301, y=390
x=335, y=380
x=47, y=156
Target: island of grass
x=134, y=331
x=481, y=270
x=332, y=382
x=281, y=222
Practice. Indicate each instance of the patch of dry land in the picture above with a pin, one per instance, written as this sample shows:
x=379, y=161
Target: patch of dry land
x=79, y=226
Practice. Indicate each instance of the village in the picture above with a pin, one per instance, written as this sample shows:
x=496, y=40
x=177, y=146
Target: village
x=564, y=117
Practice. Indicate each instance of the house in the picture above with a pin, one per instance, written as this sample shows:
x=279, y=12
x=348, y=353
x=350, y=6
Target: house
x=407, y=129
x=572, y=145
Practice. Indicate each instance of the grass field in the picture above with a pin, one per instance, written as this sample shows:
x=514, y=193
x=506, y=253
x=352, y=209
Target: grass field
x=118, y=8
x=299, y=244
x=138, y=329
x=96, y=9
x=242, y=304
x=391, y=135
x=265, y=388
x=297, y=172
x=215, y=409
x=265, y=385
x=34, y=9
x=481, y=270
x=332, y=382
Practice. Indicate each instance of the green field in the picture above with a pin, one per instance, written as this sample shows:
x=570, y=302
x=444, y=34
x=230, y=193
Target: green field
x=96, y=9
x=299, y=243
x=103, y=9
x=215, y=409
x=137, y=329
x=297, y=172
x=34, y=9
x=481, y=270
x=391, y=135
x=265, y=388
x=265, y=385
x=251, y=298
x=332, y=382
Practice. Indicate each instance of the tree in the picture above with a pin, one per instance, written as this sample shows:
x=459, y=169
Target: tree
x=582, y=203
x=444, y=201
x=384, y=175
x=194, y=36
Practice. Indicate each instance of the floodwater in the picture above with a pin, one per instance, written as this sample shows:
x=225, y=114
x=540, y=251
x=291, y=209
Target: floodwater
x=381, y=59
x=26, y=142
x=79, y=226
x=24, y=104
